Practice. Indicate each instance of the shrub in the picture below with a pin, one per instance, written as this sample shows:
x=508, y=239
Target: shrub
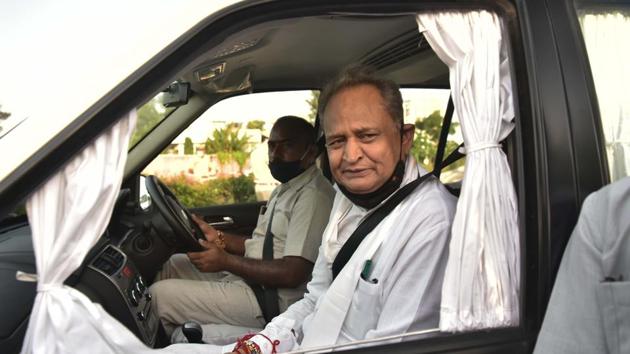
x=243, y=188
x=189, y=149
x=194, y=194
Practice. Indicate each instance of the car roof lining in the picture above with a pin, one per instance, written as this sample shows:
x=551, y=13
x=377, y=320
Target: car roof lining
x=304, y=52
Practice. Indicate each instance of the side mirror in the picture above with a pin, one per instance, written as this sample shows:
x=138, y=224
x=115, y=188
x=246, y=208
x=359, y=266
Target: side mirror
x=177, y=94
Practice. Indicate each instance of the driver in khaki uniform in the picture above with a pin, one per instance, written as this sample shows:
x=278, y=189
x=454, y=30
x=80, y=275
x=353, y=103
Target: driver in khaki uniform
x=216, y=286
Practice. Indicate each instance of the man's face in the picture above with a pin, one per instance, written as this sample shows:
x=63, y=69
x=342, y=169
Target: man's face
x=362, y=139
x=286, y=147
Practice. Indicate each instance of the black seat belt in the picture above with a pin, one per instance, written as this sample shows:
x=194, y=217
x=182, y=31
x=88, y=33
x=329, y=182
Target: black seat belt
x=446, y=126
x=372, y=220
x=453, y=156
x=267, y=297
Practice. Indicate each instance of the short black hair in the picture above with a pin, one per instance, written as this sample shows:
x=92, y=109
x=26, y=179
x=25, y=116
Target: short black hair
x=357, y=75
x=300, y=126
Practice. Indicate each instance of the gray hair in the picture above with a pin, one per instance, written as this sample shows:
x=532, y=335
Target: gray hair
x=364, y=75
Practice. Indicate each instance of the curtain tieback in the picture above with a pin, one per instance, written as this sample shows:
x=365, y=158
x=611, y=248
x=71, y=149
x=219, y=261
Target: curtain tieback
x=33, y=278
x=482, y=146
x=42, y=288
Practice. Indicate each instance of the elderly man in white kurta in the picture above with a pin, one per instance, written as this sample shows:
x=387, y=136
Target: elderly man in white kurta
x=392, y=283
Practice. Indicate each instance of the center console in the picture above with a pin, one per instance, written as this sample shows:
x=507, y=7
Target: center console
x=112, y=280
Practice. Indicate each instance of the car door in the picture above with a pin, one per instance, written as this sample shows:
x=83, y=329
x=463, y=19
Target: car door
x=245, y=210
x=550, y=182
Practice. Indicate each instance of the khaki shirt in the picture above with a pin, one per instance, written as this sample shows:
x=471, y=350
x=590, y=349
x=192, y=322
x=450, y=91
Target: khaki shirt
x=302, y=208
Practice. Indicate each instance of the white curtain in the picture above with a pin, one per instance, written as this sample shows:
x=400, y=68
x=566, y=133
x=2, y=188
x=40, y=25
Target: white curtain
x=67, y=215
x=481, y=284
x=607, y=38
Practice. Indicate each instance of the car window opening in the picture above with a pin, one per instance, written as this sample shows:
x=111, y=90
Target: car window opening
x=221, y=167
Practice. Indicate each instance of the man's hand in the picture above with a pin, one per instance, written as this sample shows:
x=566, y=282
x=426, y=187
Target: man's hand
x=234, y=244
x=213, y=259
x=209, y=231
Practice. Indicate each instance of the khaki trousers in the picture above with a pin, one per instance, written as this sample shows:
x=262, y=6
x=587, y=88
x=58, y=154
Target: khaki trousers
x=182, y=293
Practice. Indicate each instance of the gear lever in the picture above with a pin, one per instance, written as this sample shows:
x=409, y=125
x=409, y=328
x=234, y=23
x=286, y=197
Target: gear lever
x=193, y=332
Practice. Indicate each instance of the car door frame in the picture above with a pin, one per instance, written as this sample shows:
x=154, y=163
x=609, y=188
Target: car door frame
x=548, y=161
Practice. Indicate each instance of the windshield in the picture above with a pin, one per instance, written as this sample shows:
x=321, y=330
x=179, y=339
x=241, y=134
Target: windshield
x=61, y=57
x=7, y=123
x=149, y=115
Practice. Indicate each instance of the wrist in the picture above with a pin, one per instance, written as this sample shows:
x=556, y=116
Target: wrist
x=265, y=344
x=228, y=262
x=256, y=344
x=245, y=345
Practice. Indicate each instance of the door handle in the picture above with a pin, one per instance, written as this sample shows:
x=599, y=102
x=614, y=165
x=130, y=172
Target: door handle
x=227, y=221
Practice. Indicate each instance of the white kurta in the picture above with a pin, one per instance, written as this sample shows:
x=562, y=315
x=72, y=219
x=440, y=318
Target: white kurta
x=589, y=308
x=409, y=252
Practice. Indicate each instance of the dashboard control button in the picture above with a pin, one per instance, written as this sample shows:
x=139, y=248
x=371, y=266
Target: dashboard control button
x=133, y=297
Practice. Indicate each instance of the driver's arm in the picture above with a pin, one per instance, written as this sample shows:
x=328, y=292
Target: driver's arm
x=234, y=244
x=308, y=218
x=286, y=272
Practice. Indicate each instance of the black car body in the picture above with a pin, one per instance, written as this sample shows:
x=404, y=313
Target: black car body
x=557, y=151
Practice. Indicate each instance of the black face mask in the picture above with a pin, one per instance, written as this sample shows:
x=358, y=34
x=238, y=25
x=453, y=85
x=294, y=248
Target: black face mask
x=284, y=171
x=372, y=199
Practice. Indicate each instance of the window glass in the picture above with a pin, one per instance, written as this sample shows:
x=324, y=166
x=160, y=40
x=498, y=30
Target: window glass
x=606, y=30
x=8, y=121
x=149, y=115
x=222, y=157
x=425, y=108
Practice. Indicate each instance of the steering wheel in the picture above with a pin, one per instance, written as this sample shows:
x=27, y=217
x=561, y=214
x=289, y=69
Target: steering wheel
x=176, y=215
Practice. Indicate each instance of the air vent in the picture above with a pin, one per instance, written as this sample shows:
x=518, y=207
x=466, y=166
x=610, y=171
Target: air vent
x=109, y=261
x=396, y=50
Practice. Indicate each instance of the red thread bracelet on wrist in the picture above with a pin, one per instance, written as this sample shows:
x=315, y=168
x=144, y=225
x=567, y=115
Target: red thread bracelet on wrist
x=274, y=343
x=245, y=343
x=242, y=343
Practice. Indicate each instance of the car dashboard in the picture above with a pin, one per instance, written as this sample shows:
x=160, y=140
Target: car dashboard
x=112, y=279
x=108, y=276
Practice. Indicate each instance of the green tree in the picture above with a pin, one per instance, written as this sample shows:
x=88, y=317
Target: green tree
x=228, y=146
x=256, y=124
x=4, y=115
x=426, y=140
x=313, y=102
x=218, y=191
x=148, y=117
x=241, y=159
x=207, y=145
x=189, y=149
x=226, y=140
